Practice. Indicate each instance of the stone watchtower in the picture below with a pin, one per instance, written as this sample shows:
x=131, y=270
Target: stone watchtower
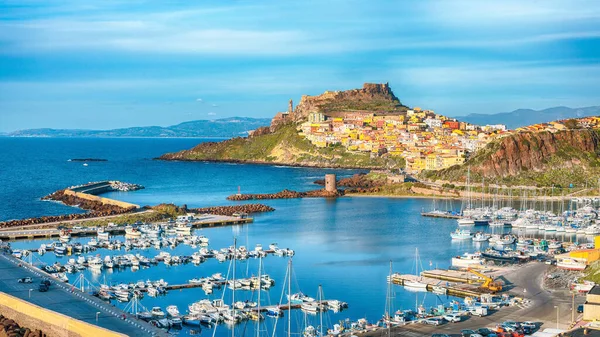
x=330, y=183
x=290, y=106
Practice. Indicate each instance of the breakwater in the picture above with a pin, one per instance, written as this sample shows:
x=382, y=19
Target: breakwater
x=9, y=327
x=287, y=194
x=359, y=180
x=231, y=210
x=57, y=218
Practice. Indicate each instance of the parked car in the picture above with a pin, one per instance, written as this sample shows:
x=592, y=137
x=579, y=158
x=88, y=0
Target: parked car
x=46, y=282
x=43, y=288
x=25, y=280
x=484, y=332
x=433, y=321
x=580, y=309
x=512, y=324
x=77, y=227
x=453, y=318
x=467, y=332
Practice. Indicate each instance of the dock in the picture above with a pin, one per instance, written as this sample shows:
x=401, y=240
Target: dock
x=452, y=288
x=204, y=221
x=451, y=275
x=441, y=215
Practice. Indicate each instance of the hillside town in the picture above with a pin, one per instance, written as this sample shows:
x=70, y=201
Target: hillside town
x=426, y=140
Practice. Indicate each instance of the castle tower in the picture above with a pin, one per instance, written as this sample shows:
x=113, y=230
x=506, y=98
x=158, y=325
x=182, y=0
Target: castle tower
x=290, y=106
x=330, y=183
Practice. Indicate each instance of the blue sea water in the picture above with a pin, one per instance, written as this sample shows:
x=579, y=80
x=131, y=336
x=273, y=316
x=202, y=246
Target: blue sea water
x=345, y=244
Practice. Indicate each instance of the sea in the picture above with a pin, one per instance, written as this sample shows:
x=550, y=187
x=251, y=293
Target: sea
x=345, y=245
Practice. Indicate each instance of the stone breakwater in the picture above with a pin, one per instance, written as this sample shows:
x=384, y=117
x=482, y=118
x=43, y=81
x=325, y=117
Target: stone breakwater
x=99, y=208
x=55, y=218
x=286, y=194
x=10, y=328
x=231, y=210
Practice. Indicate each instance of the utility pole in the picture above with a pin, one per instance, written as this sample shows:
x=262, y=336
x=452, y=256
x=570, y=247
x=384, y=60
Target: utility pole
x=573, y=309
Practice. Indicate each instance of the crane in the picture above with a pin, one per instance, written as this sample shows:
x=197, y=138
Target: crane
x=488, y=282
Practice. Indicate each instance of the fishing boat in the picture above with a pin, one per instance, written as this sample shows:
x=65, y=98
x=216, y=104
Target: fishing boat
x=132, y=233
x=481, y=237
x=461, y=234
x=299, y=298
x=102, y=234
x=183, y=229
x=65, y=235
x=466, y=260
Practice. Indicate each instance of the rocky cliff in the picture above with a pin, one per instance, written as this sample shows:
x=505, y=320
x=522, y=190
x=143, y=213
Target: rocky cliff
x=541, y=157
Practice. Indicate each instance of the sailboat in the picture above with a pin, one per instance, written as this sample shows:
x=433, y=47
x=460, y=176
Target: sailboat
x=417, y=284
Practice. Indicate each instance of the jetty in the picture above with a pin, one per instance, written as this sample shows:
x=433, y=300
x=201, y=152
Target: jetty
x=444, y=215
x=452, y=288
x=203, y=221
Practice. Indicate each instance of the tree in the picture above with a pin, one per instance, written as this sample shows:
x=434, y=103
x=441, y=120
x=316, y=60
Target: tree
x=572, y=124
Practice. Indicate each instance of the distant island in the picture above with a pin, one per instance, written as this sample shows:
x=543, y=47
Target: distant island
x=523, y=117
x=217, y=128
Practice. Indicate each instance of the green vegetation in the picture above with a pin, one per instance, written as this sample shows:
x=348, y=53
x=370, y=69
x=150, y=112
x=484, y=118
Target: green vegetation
x=284, y=146
x=592, y=272
x=374, y=104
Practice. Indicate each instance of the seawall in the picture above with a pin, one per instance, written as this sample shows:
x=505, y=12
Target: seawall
x=50, y=322
x=105, y=201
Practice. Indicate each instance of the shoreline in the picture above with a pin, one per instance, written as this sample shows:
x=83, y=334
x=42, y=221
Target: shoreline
x=266, y=163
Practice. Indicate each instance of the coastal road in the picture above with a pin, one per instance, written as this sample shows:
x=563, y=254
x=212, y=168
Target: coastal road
x=63, y=299
x=525, y=281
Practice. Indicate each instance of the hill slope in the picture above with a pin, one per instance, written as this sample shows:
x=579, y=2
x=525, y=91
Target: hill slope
x=282, y=147
x=533, y=158
x=524, y=117
x=226, y=127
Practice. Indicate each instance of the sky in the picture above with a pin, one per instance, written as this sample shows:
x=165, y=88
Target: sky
x=100, y=64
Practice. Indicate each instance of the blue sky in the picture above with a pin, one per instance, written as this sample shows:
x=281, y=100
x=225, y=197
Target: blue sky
x=106, y=64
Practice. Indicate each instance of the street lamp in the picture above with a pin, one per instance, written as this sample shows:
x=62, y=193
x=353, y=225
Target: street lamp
x=557, y=311
x=30, y=290
x=97, y=314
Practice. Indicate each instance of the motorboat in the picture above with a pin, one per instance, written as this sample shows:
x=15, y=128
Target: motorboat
x=466, y=221
x=299, y=298
x=173, y=311
x=157, y=312
x=461, y=234
x=481, y=237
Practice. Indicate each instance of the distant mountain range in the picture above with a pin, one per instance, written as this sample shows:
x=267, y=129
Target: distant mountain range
x=222, y=128
x=524, y=117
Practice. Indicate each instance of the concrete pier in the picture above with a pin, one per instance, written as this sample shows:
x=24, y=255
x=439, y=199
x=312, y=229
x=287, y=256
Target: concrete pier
x=204, y=221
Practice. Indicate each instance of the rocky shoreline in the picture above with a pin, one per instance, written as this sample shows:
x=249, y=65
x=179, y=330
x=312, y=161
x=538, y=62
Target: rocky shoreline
x=231, y=210
x=359, y=180
x=286, y=194
x=168, y=157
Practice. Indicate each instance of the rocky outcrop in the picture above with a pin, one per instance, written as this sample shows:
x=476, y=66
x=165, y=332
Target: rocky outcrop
x=358, y=180
x=355, y=99
x=286, y=194
x=531, y=151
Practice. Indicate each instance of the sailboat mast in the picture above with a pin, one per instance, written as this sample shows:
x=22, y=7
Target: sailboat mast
x=290, y=298
x=233, y=286
x=258, y=303
x=320, y=310
x=389, y=302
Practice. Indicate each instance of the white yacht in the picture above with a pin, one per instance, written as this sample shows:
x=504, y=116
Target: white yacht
x=461, y=234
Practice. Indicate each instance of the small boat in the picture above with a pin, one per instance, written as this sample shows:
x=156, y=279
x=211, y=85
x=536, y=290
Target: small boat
x=466, y=221
x=439, y=290
x=299, y=298
x=481, y=237
x=157, y=312
x=461, y=234
x=173, y=311
x=274, y=312
x=466, y=260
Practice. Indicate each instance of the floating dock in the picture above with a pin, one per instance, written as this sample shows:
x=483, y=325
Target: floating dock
x=452, y=288
x=452, y=275
x=204, y=221
x=441, y=215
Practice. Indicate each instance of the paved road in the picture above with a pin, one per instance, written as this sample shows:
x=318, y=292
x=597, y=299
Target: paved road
x=61, y=298
x=539, y=307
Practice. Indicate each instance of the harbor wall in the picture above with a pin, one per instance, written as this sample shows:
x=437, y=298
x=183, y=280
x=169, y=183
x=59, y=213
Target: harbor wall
x=50, y=322
x=105, y=201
